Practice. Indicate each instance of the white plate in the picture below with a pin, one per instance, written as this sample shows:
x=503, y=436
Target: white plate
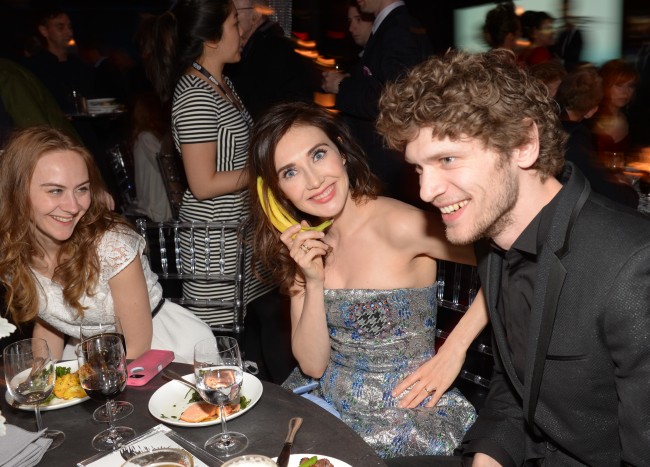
x=170, y=401
x=103, y=110
x=101, y=101
x=55, y=403
x=294, y=460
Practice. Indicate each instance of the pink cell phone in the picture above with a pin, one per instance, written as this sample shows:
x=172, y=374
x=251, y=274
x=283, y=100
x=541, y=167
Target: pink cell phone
x=146, y=366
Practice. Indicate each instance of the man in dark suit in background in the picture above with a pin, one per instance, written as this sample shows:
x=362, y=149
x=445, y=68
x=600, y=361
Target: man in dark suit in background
x=565, y=272
x=398, y=42
x=60, y=71
x=269, y=70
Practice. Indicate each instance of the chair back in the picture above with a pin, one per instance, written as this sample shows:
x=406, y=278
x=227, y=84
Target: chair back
x=117, y=156
x=458, y=284
x=173, y=174
x=185, y=251
x=120, y=159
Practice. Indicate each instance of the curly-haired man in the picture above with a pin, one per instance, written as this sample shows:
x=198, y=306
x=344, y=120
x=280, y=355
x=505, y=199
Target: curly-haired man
x=570, y=307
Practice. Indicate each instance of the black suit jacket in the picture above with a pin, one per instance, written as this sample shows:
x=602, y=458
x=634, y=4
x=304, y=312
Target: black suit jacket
x=399, y=43
x=586, y=394
x=270, y=71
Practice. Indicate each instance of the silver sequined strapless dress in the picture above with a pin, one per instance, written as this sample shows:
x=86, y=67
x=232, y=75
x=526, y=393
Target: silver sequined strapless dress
x=378, y=337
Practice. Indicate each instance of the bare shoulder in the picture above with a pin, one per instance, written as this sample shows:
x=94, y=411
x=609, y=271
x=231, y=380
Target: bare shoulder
x=417, y=232
x=403, y=223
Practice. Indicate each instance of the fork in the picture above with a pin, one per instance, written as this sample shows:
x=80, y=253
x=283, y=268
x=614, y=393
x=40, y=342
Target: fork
x=128, y=452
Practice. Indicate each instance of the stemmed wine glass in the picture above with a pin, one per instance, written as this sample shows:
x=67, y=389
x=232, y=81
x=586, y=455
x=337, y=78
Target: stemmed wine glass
x=102, y=373
x=219, y=374
x=106, y=324
x=30, y=376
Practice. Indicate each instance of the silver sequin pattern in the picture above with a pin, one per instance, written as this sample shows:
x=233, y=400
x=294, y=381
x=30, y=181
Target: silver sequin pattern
x=378, y=337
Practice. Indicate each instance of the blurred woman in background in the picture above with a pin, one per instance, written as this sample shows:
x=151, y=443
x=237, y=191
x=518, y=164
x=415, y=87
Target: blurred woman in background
x=610, y=123
x=537, y=27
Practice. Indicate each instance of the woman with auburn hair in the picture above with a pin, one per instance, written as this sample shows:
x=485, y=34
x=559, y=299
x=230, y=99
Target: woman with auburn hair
x=363, y=293
x=610, y=124
x=65, y=256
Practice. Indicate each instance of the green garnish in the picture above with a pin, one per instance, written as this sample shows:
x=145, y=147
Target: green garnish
x=195, y=397
x=49, y=399
x=309, y=462
x=62, y=370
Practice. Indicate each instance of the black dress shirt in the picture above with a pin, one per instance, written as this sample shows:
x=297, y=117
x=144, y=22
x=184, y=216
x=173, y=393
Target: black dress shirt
x=518, y=274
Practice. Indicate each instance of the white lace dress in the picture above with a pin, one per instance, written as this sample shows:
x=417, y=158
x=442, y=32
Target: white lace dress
x=174, y=327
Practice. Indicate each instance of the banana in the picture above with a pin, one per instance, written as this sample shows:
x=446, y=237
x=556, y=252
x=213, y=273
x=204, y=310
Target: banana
x=278, y=216
x=265, y=203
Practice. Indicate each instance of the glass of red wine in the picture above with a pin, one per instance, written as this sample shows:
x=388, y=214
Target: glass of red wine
x=107, y=324
x=102, y=373
x=30, y=374
x=219, y=374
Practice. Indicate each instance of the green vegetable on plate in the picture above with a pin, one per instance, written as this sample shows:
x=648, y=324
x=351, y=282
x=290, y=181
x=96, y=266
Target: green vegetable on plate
x=309, y=462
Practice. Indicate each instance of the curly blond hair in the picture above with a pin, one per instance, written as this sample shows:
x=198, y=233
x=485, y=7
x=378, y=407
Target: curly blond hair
x=483, y=96
x=77, y=268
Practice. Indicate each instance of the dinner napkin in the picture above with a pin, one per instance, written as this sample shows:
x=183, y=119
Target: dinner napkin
x=22, y=448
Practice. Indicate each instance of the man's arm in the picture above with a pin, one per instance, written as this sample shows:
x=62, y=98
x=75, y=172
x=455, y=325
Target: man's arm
x=499, y=429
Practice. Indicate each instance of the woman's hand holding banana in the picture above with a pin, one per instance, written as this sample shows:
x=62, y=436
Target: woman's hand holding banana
x=307, y=249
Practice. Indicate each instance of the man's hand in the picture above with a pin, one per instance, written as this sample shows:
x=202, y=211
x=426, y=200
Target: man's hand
x=332, y=80
x=483, y=460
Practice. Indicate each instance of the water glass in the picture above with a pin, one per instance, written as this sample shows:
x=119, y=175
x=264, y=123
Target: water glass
x=219, y=374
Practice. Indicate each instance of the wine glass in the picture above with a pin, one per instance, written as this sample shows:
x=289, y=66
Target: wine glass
x=30, y=376
x=219, y=374
x=106, y=324
x=102, y=373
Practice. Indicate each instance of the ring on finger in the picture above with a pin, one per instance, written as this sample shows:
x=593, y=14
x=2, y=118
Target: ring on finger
x=429, y=391
x=305, y=248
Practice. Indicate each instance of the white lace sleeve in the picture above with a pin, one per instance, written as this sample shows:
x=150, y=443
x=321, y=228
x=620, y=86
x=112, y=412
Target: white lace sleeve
x=117, y=249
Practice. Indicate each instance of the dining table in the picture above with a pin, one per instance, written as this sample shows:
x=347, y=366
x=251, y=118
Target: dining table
x=265, y=425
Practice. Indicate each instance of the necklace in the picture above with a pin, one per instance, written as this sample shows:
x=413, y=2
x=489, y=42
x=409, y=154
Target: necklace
x=233, y=100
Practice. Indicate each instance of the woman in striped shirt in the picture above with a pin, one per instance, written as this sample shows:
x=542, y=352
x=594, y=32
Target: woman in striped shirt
x=185, y=50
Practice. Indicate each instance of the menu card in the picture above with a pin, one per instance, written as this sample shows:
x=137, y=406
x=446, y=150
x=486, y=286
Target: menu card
x=160, y=436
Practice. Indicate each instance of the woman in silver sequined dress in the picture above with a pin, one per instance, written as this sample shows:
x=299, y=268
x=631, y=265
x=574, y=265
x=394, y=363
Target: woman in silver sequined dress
x=363, y=309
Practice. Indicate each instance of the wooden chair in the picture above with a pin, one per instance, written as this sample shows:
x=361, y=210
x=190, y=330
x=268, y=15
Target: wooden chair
x=195, y=241
x=458, y=285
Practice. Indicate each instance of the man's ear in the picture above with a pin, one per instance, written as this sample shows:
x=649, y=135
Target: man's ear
x=43, y=30
x=526, y=155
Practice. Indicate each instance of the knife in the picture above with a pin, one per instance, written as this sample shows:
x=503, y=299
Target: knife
x=283, y=458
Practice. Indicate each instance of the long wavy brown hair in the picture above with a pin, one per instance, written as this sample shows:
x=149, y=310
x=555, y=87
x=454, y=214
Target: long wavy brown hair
x=273, y=125
x=77, y=268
